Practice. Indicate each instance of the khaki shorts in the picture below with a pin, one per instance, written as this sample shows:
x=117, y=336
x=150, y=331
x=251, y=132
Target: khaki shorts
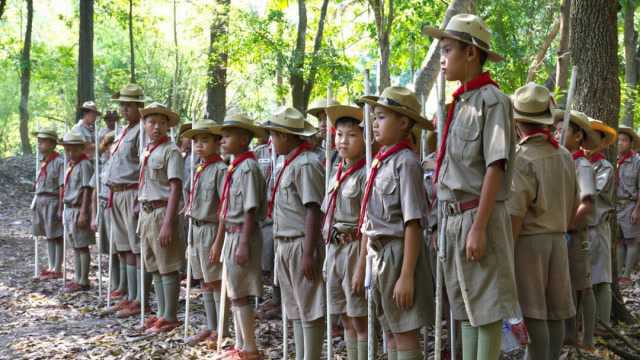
x=342, y=261
x=45, y=217
x=77, y=237
x=125, y=221
x=243, y=280
x=600, y=253
x=542, y=275
x=304, y=300
x=386, y=269
x=203, y=239
x=579, y=260
x=160, y=259
x=628, y=229
x=268, y=250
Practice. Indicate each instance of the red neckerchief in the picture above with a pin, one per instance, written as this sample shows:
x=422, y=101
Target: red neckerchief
x=224, y=203
x=578, y=154
x=146, y=155
x=331, y=208
x=305, y=146
x=621, y=159
x=199, y=170
x=544, y=132
x=124, y=133
x=596, y=157
x=375, y=165
x=72, y=164
x=45, y=164
x=480, y=81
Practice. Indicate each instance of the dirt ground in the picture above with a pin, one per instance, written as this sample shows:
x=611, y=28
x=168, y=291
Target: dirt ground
x=38, y=321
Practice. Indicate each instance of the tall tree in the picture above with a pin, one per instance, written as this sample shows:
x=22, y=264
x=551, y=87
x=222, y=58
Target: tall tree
x=25, y=81
x=562, y=65
x=630, y=61
x=85, y=54
x=302, y=86
x=217, y=62
x=132, y=57
x=3, y=4
x=384, y=22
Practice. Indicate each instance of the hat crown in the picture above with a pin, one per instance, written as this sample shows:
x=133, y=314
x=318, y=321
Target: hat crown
x=73, y=136
x=47, y=131
x=132, y=90
x=89, y=104
x=204, y=124
x=532, y=98
x=288, y=117
x=238, y=118
x=470, y=24
x=402, y=97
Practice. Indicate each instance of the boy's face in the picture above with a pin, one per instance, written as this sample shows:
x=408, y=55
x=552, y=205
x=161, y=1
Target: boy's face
x=74, y=151
x=205, y=145
x=322, y=125
x=185, y=145
x=454, y=59
x=130, y=111
x=349, y=141
x=234, y=141
x=624, y=143
x=156, y=126
x=388, y=126
x=573, y=139
x=110, y=121
x=45, y=146
x=90, y=117
x=279, y=141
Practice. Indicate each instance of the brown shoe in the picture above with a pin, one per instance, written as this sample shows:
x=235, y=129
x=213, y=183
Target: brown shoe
x=200, y=337
x=71, y=287
x=117, y=294
x=149, y=322
x=162, y=326
x=131, y=310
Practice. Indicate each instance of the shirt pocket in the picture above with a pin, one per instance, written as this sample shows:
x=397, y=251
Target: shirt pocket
x=287, y=190
x=156, y=168
x=465, y=134
x=350, y=198
x=237, y=195
x=388, y=192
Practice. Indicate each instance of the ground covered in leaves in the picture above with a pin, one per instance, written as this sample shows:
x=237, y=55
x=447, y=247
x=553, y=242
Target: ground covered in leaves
x=38, y=321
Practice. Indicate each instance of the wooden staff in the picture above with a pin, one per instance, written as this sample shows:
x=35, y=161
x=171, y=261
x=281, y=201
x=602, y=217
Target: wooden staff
x=327, y=178
x=223, y=305
x=567, y=113
x=285, y=323
x=440, y=257
x=110, y=257
x=33, y=204
x=141, y=157
x=189, y=249
x=98, y=212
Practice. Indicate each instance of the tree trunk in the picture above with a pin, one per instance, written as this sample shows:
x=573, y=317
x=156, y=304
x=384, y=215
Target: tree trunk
x=85, y=55
x=539, y=58
x=25, y=82
x=3, y=5
x=173, y=103
x=428, y=72
x=384, y=21
x=630, y=62
x=217, y=62
x=132, y=56
x=562, y=65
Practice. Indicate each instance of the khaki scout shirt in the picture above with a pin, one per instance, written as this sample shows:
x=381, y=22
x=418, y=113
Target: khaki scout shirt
x=186, y=178
x=207, y=193
x=302, y=183
x=544, y=187
x=55, y=177
x=482, y=132
x=629, y=180
x=165, y=163
x=587, y=183
x=87, y=132
x=605, y=188
x=428, y=168
x=80, y=177
x=348, y=200
x=397, y=196
x=247, y=192
x=125, y=162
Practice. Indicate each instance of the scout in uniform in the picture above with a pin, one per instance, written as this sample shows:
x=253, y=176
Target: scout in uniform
x=544, y=196
x=122, y=180
x=581, y=137
x=318, y=110
x=110, y=120
x=473, y=171
x=202, y=203
x=346, y=254
x=599, y=229
x=239, y=238
x=159, y=195
x=628, y=203
x=392, y=218
x=46, y=207
x=87, y=125
x=295, y=209
x=76, y=195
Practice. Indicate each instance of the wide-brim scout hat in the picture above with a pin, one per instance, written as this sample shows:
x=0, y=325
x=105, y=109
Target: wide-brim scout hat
x=582, y=121
x=319, y=106
x=241, y=121
x=73, y=138
x=184, y=128
x=90, y=106
x=623, y=129
x=46, y=133
x=159, y=109
x=610, y=135
x=336, y=112
x=469, y=29
x=289, y=121
x=400, y=100
x=531, y=105
x=129, y=93
x=205, y=126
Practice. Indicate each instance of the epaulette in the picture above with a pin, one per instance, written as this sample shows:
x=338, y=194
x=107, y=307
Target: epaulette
x=490, y=95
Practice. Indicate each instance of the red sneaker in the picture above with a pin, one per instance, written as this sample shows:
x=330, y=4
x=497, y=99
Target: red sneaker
x=162, y=326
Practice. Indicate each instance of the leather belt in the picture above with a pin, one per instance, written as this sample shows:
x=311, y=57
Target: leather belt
x=149, y=206
x=453, y=208
x=342, y=238
x=233, y=229
x=122, y=187
x=197, y=222
x=48, y=194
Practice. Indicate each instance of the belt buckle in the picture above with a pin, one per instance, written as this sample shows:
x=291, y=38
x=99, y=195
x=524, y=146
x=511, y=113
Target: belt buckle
x=147, y=207
x=453, y=208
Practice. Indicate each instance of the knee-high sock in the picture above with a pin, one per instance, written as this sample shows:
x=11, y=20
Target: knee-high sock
x=633, y=252
x=313, y=338
x=489, y=341
x=588, y=316
x=132, y=281
x=298, y=337
x=363, y=350
x=621, y=255
x=469, y=341
x=51, y=253
x=276, y=295
x=77, y=268
x=409, y=355
x=115, y=273
x=556, y=338
x=351, y=345
x=209, y=310
x=248, y=327
x=147, y=286
x=171, y=289
x=85, y=262
x=603, y=295
x=236, y=326
x=571, y=325
x=59, y=255
x=538, y=347
x=122, y=284
x=227, y=313
x=159, y=290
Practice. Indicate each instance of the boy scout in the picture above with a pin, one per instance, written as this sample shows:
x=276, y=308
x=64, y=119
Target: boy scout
x=159, y=195
x=76, y=195
x=542, y=203
x=599, y=229
x=239, y=238
x=46, y=220
x=110, y=120
x=346, y=256
x=202, y=203
x=628, y=203
x=122, y=180
x=581, y=137
x=473, y=171
x=318, y=110
x=86, y=126
x=392, y=217
x=295, y=209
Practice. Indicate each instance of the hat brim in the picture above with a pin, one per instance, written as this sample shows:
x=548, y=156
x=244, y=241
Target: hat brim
x=255, y=130
x=443, y=34
x=123, y=98
x=419, y=120
x=309, y=129
x=336, y=112
x=89, y=109
x=40, y=135
x=592, y=141
x=540, y=120
x=73, y=142
x=315, y=112
x=192, y=133
x=610, y=135
x=173, y=117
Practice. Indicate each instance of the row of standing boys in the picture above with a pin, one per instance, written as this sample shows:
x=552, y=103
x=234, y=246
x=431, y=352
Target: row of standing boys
x=523, y=231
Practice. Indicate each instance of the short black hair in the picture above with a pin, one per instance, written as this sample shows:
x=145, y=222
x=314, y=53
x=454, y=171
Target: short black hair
x=347, y=121
x=575, y=128
x=483, y=54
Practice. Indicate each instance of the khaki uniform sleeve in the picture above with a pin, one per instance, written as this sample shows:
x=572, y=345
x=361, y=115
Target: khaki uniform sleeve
x=497, y=134
x=60, y=169
x=523, y=189
x=86, y=174
x=603, y=178
x=175, y=165
x=253, y=189
x=412, y=194
x=586, y=181
x=310, y=183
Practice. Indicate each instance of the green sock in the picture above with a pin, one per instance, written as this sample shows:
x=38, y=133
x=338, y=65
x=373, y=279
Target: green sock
x=115, y=273
x=313, y=339
x=225, y=326
x=410, y=355
x=392, y=354
x=171, y=289
x=77, y=268
x=158, y=289
x=469, y=341
x=352, y=347
x=556, y=337
x=85, y=262
x=363, y=350
x=147, y=286
x=633, y=252
x=588, y=316
x=276, y=295
x=298, y=339
x=122, y=281
x=538, y=347
x=571, y=325
x=489, y=341
x=51, y=253
x=603, y=300
x=59, y=255
x=209, y=310
x=247, y=326
x=132, y=280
